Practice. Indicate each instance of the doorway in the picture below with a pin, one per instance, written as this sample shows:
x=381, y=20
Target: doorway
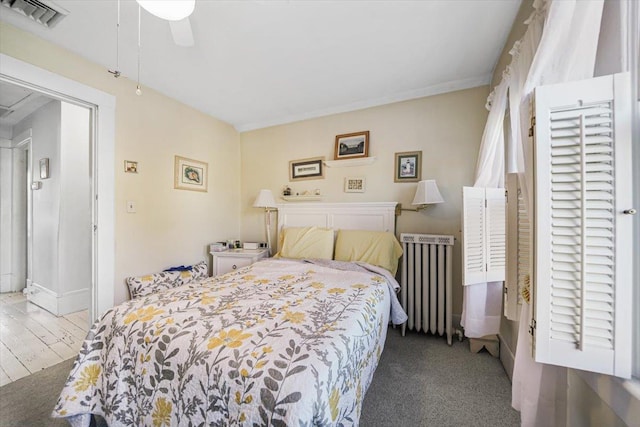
x=46, y=216
x=45, y=225
x=100, y=159
x=102, y=115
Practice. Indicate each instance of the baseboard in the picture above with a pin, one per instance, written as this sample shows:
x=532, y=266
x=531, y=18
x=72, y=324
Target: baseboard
x=42, y=297
x=9, y=282
x=58, y=304
x=6, y=283
x=73, y=301
x=506, y=357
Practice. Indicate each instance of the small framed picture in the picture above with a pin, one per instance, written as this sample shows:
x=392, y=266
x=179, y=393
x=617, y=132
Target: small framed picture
x=44, y=168
x=352, y=145
x=190, y=174
x=355, y=184
x=408, y=166
x=130, y=166
x=306, y=169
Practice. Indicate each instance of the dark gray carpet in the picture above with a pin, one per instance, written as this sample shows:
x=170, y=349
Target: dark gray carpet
x=30, y=400
x=420, y=381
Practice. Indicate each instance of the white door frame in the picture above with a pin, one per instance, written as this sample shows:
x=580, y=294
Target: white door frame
x=102, y=107
x=24, y=142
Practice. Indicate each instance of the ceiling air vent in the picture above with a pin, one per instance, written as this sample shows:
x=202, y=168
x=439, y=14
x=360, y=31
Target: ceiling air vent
x=44, y=12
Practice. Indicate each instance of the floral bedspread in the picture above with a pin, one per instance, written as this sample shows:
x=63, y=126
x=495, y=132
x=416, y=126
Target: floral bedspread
x=277, y=343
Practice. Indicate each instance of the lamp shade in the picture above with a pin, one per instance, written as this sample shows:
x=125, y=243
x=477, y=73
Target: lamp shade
x=265, y=200
x=427, y=193
x=171, y=10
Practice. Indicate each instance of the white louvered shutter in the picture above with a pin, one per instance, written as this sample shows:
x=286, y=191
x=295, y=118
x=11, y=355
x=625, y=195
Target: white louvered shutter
x=524, y=246
x=496, y=226
x=483, y=234
x=583, y=285
x=518, y=248
x=473, y=235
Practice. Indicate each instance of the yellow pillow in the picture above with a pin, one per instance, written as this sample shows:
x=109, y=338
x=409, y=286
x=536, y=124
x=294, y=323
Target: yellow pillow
x=306, y=242
x=379, y=248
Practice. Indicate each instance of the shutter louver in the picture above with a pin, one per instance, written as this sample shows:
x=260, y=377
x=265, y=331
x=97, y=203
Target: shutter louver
x=473, y=235
x=518, y=242
x=496, y=234
x=579, y=276
x=582, y=225
x=483, y=234
x=524, y=247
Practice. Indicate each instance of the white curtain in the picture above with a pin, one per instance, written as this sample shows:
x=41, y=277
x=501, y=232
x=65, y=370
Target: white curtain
x=538, y=391
x=482, y=302
x=559, y=45
x=490, y=166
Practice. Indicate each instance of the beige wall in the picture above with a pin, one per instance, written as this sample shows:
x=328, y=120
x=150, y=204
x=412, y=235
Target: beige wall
x=446, y=128
x=171, y=226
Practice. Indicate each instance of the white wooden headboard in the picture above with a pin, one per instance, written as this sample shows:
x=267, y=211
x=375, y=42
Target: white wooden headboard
x=375, y=216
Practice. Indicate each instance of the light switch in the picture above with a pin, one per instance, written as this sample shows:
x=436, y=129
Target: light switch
x=131, y=206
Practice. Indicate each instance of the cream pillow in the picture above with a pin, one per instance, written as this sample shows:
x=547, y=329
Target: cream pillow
x=306, y=242
x=379, y=248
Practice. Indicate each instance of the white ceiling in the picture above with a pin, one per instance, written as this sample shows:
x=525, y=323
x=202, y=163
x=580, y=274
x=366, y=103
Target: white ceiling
x=262, y=63
x=16, y=103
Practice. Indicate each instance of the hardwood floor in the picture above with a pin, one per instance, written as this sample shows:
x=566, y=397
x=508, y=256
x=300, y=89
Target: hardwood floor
x=32, y=339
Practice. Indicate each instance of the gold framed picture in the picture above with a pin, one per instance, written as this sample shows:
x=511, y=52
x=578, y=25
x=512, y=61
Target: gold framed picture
x=190, y=174
x=352, y=145
x=130, y=166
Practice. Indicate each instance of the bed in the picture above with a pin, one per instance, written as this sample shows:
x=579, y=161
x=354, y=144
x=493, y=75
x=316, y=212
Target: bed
x=285, y=341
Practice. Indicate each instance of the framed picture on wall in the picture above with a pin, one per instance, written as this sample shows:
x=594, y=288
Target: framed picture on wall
x=190, y=174
x=352, y=145
x=130, y=166
x=306, y=169
x=354, y=184
x=408, y=166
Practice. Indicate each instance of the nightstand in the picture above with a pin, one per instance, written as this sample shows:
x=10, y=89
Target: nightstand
x=230, y=260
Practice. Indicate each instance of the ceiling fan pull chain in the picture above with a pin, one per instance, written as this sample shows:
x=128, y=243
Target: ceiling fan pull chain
x=116, y=73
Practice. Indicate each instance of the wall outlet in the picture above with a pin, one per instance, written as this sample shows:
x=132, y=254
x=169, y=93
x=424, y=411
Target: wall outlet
x=131, y=206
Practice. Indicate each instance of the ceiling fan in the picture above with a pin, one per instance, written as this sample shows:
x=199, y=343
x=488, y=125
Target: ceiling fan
x=177, y=12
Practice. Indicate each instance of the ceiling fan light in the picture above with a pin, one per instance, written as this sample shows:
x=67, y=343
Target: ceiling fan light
x=171, y=10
